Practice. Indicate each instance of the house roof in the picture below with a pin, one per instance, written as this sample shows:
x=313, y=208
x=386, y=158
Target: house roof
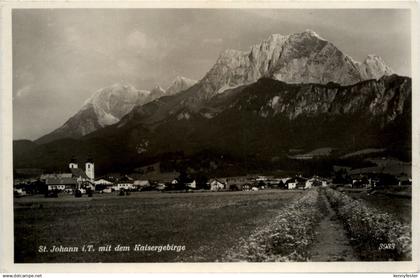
x=57, y=176
x=366, y=170
x=154, y=176
x=141, y=182
x=102, y=181
x=77, y=172
x=296, y=179
x=125, y=179
x=216, y=180
x=53, y=181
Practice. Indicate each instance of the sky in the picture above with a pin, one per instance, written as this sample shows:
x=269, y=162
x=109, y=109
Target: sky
x=62, y=56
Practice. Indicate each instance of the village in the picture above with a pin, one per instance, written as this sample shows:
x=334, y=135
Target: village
x=83, y=182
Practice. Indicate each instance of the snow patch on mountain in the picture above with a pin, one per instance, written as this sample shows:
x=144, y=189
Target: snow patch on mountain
x=112, y=103
x=180, y=84
x=108, y=105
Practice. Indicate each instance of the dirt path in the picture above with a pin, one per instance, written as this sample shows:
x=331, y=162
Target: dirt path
x=331, y=244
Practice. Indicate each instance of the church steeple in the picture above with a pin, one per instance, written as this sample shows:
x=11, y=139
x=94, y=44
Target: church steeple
x=73, y=163
x=90, y=168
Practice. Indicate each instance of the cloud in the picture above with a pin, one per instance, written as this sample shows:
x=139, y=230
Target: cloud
x=214, y=41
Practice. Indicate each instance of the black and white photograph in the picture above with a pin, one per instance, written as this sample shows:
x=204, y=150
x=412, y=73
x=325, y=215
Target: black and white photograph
x=211, y=135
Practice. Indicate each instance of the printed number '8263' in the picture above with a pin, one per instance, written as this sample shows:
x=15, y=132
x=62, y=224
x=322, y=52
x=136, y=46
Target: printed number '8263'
x=386, y=246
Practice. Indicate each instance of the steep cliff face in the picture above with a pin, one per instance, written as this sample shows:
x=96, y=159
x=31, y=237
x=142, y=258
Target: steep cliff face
x=297, y=58
x=179, y=84
x=385, y=98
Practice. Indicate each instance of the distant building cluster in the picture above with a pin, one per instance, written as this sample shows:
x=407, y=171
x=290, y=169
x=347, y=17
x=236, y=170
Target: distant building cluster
x=77, y=180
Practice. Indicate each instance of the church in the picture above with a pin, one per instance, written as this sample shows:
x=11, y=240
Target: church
x=76, y=178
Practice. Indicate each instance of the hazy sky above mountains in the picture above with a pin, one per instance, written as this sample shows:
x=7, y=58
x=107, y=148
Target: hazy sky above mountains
x=60, y=57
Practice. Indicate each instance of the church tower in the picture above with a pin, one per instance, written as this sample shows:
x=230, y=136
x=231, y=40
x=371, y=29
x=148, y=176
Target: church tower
x=73, y=163
x=90, y=169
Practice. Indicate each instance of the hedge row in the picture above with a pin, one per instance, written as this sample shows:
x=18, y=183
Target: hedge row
x=376, y=236
x=287, y=238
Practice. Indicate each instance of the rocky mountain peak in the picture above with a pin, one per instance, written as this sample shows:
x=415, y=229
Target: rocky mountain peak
x=311, y=33
x=108, y=105
x=296, y=58
x=157, y=88
x=375, y=67
x=180, y=84
x=113, y=102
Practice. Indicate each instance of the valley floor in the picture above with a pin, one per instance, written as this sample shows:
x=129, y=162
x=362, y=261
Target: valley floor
x=208, y=224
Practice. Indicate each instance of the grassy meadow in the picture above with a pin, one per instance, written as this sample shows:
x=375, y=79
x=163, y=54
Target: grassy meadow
x=207, y=223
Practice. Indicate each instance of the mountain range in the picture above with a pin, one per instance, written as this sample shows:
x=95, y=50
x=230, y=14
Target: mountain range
x=108, y=105
x=297, y=58
x=293, y=91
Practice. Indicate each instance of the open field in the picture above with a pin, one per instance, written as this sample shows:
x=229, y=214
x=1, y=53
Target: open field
x=269, y=225
x=208, y=224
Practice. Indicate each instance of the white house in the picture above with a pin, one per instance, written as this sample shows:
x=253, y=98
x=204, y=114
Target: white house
x=191, y=184
x=216, y=185
x=141, y=184
x=125, y=183
x=125, y=186
x=292, y=184
x=61, y=183
x=309, y=183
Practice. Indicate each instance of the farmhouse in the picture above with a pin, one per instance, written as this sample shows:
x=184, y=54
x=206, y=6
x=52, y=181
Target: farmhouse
x=153, y=174
x=310, y=182
x=192, y=184
x=125, y=183
x=273, y=182
x=102, y=182
x=61, y=184
x=216, y=185
x=103, y=185
x=140, y=184
x=315, y=181
x=238, y=182
x=295, y=183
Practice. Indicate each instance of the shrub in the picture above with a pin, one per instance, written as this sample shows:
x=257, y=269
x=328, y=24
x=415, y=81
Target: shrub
x=370, y=229
x=78, y=194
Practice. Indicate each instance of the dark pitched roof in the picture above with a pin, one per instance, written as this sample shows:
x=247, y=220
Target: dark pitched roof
x=52, y=181
x=125, y=179
x=155, y=176
x=77, y=172
x=217, y=180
